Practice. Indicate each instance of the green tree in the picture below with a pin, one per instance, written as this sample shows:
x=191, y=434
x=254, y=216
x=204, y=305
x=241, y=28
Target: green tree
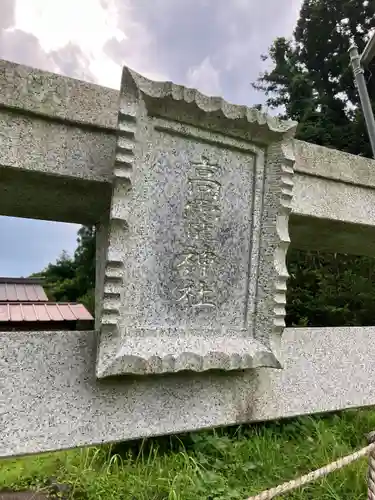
x=330, y=289
x=72, y=279
x=84, y=259
x=311, y=79
x=311, y=82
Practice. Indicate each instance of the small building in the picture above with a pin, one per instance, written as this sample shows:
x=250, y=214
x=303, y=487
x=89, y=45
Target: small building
x=24, y=305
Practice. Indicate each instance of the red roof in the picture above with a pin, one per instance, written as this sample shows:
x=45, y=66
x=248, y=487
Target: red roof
x=22, y=290
x=43, y=312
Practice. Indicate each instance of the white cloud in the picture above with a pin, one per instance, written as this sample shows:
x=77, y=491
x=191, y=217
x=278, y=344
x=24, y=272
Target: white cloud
x=90, y=25
x=252, y=30
x=87, y=24
x=214, y=45
x=194, y=42
x=84, y=22
x=205, y=78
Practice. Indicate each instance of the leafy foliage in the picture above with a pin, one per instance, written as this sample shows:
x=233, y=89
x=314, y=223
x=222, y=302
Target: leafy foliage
x=311, y=78
x=72, y=279
x=311, y=82
x=330, y=290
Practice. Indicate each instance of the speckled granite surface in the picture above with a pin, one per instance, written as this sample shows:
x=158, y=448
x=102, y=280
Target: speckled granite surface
x=67, y=128
x=57, y=151
x=195, y=273
x=50, y=398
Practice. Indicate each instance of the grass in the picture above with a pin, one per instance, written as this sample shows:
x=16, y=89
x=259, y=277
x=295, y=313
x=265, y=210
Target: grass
x=226, y=464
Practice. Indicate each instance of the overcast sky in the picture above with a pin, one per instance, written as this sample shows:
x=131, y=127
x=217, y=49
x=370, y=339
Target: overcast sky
x=213, y=45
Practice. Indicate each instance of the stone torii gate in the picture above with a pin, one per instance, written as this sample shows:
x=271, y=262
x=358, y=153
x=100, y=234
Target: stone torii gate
x=195, y=202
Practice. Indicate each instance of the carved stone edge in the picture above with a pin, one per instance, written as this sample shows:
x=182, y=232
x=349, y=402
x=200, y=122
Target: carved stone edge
x=127, y=364
x=282, y=230
x=117, y=364
x=122, y=181
x=161, y=90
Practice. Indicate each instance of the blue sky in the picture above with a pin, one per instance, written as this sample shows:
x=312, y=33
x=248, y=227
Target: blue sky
x=213, y=45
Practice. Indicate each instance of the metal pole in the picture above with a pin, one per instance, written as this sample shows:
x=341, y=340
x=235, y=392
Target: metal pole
x=363, y=94
x=368, y=53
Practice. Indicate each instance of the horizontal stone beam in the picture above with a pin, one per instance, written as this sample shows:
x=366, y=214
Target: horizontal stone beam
x=333, y=201
x=52, y=96
x=50, y=398
x=44, y=95
x=36, y=196
x=332, y=216
x=58, y=139
x=338, y=166
x=57, y=146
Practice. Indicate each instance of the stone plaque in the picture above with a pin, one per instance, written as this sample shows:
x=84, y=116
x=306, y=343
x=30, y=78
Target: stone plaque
x=195, y=273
